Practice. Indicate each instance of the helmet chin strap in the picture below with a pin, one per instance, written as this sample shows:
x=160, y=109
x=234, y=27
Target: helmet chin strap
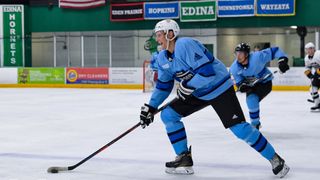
x=168, y=40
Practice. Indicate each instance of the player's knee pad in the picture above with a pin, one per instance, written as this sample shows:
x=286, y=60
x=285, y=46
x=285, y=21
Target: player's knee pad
x=245, y=132
x=168, y=116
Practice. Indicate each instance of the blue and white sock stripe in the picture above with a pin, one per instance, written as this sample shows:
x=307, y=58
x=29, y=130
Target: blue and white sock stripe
x=177, y=135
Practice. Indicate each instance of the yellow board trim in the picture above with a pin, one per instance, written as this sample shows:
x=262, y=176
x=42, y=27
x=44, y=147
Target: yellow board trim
x=124, y=86
x=101, y=86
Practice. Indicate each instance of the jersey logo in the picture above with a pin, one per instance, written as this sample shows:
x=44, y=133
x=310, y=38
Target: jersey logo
x=234, y=116
x=165, y=66
x=197, y=57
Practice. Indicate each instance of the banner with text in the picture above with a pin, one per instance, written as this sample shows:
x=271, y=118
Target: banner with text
x=198, y=11
x=161, y=10
x=275, y=7
x=41, y=76
x=126, y=12
x=227, y=8
x=87, y=76
x=12, y=31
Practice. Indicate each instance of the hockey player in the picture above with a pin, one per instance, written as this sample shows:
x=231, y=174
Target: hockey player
x=204, y=81
x=312, y=64
x=253, y=77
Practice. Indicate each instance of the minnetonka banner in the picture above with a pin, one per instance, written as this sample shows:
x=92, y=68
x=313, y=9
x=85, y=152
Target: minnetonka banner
x=87, y=76
x=126, y=12
x=235, y=8
x=161, y=10
x=275, y=8
x=198, y=11
x=12, y=31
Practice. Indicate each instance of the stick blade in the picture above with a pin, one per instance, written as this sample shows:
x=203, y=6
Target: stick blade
x=56, y=169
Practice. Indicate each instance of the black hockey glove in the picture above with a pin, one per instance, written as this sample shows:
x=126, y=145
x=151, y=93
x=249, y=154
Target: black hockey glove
x=183, y=91
x=244, y=87
x=283, y=64
x=146, y=115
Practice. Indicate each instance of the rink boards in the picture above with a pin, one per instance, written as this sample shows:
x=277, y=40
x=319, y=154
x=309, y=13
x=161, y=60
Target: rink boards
x=115, y=78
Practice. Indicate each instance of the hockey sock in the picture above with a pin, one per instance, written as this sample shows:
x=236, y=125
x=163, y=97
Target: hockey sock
x=175, y=130
x=254, y=138
x=254, y=108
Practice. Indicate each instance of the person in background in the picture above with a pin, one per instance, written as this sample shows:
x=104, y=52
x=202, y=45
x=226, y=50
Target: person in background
x=312, y=64
x=253, y=77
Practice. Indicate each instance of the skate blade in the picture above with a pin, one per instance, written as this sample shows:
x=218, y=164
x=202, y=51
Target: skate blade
x=284, y=171
x=180, y=170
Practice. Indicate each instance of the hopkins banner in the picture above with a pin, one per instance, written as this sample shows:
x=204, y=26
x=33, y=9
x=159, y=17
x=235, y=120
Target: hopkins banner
x=87, y=76
x=12, y=31
x=126, y=12
x=227, y=8
x=275, y=7
x=161, y=10
x=198, y=11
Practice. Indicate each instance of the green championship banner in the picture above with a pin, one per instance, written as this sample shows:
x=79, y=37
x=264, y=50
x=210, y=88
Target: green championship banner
x=41, y=76
x=198, y=11
x=12, y=35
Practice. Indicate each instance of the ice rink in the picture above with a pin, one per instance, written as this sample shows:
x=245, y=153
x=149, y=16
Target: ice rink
x=59, y=127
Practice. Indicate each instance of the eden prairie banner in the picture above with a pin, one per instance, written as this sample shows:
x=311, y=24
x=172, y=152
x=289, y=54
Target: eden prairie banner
x=235, y=8
x=198, y=11
x=275, y=8
x=12, y=35
x=126, y=12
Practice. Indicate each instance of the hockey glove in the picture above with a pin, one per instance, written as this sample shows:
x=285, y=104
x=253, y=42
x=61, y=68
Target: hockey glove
x=146, y=115
x=308, y=74
x=244, y=88
x=283, y=64
x=183, y=91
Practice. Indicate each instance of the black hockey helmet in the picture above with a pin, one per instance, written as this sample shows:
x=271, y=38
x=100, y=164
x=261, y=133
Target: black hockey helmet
x=243, y=47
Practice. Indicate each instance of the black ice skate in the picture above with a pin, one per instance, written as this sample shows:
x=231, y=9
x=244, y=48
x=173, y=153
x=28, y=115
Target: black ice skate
x=314, y=108
x=181, y=165
x=279, y=167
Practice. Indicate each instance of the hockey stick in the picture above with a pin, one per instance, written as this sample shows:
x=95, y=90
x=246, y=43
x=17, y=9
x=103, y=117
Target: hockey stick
x=56, y=169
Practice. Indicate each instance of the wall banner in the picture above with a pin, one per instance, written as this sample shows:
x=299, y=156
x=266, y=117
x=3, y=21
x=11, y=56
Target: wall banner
x=198, y=11
x=126, y=12
x=275, y=8
x=161, y=10
x=227, y=8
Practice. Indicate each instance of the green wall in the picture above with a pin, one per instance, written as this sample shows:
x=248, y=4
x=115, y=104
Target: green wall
x=55, y=19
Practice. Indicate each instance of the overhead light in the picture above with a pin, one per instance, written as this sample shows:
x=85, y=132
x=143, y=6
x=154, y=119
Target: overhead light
x=293, y=27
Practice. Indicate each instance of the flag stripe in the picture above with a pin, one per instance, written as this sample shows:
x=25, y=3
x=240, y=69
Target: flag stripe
x=81, y=4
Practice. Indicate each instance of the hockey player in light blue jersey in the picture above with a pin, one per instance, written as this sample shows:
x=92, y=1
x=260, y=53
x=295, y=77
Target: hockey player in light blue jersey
x=253, y=77
x=204, y=81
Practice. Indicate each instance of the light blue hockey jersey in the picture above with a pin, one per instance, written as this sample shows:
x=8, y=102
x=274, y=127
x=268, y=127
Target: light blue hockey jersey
x=153, y=61
x=191, y=62
x=256, y=67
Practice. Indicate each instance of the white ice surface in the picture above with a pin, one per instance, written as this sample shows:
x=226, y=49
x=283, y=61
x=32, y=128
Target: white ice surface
x=41, y=128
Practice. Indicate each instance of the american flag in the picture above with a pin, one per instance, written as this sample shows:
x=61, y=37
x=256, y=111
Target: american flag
x=81, y=4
